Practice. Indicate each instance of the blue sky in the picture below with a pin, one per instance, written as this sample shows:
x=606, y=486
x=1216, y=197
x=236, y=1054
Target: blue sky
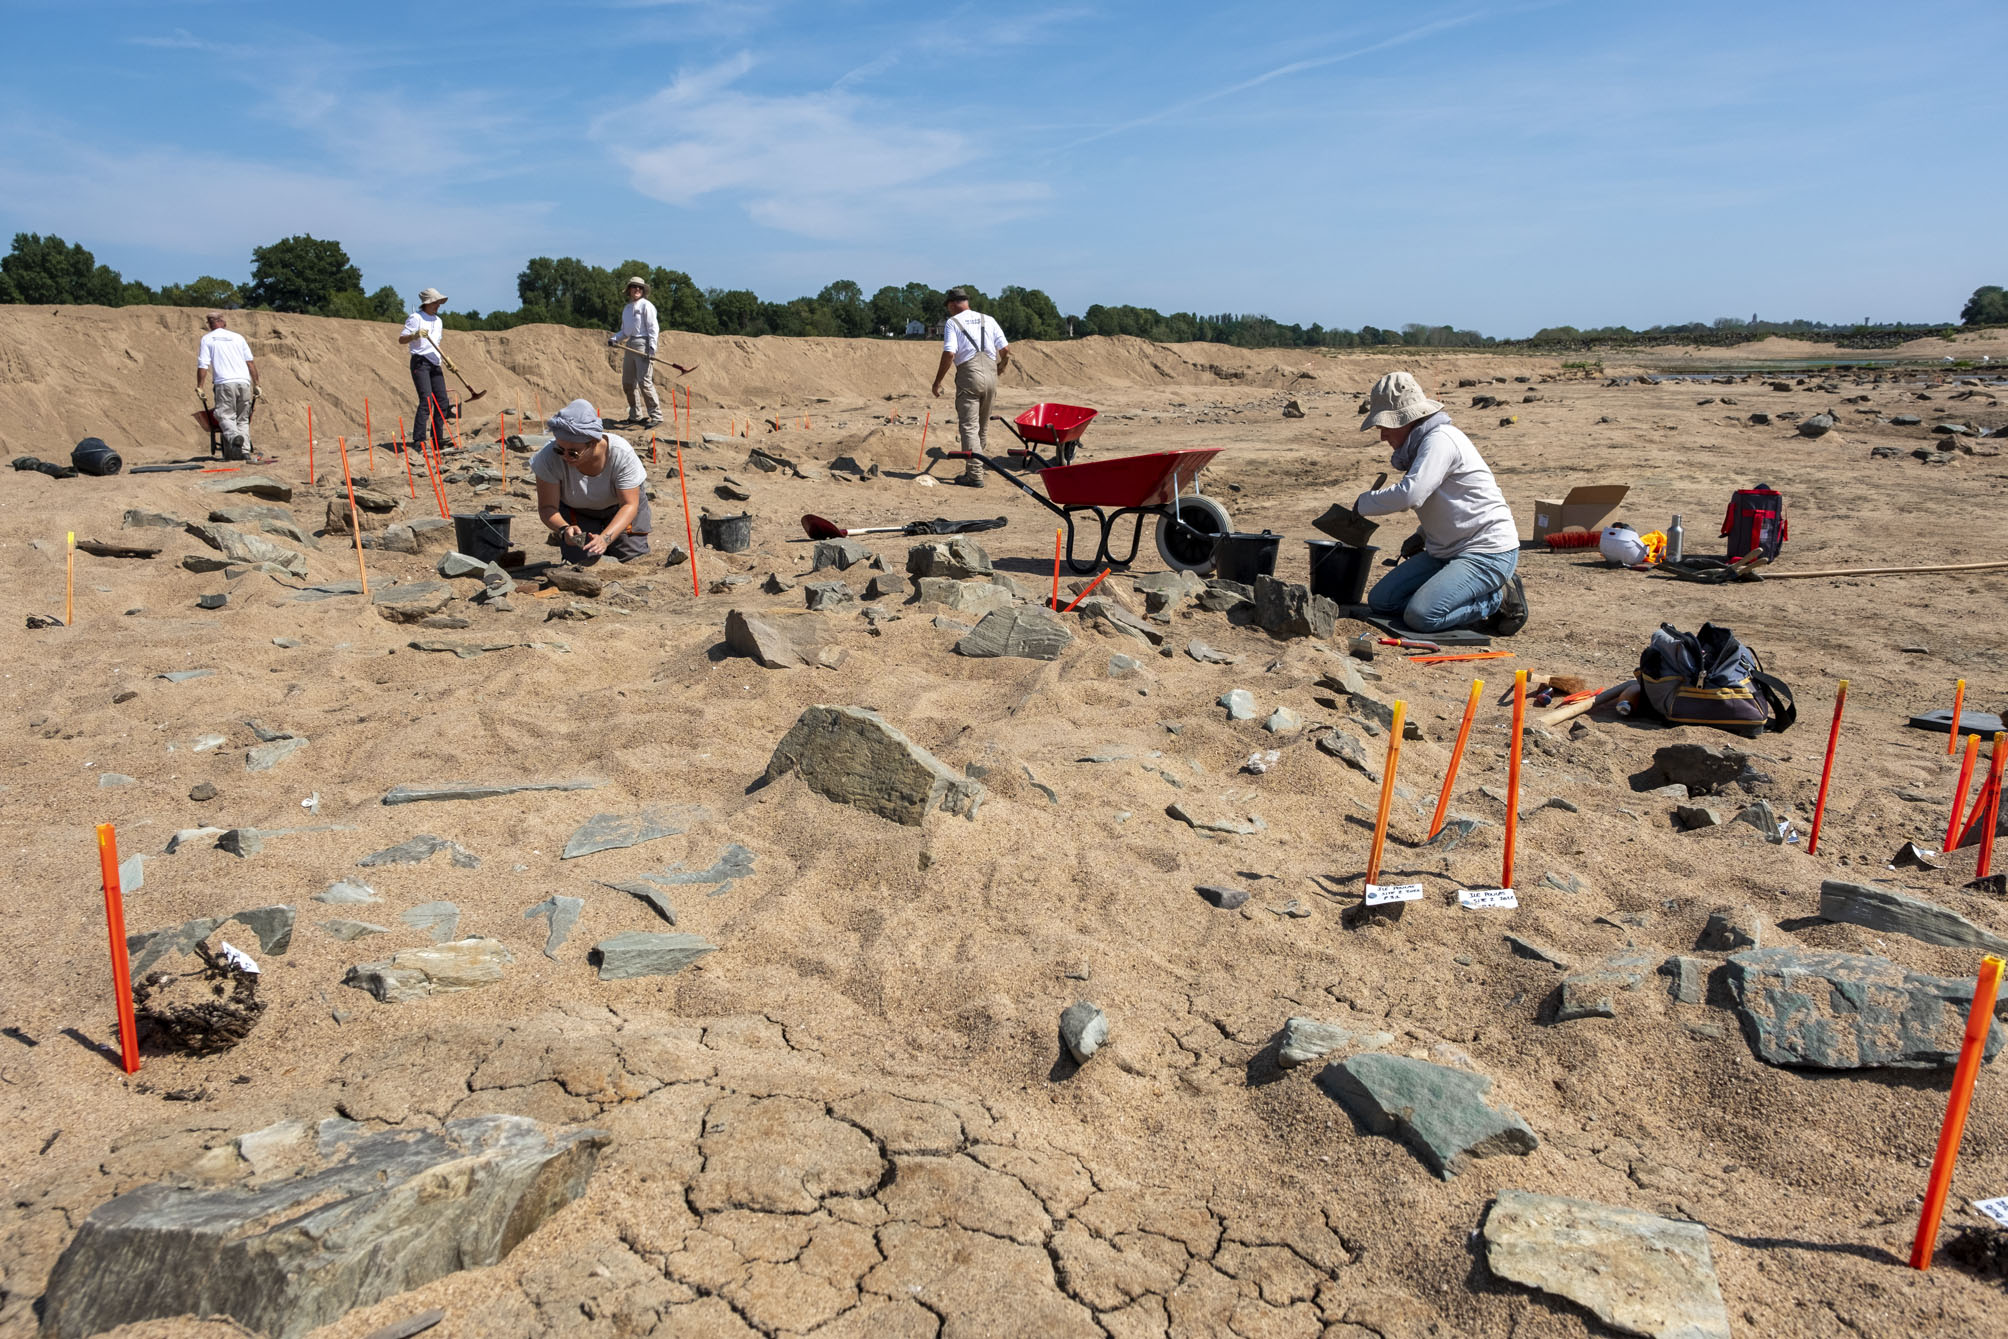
x=1499, y=166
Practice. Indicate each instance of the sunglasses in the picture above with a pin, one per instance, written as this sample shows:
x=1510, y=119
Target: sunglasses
x=575, y=452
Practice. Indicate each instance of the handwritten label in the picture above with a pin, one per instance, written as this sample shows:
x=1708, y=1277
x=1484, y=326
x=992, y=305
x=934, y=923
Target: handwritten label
x=1479, y=899
x=1380, y=894
x=1996, y=1208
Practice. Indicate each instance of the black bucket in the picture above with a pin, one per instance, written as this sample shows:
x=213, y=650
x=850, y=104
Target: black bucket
x=482, y=536
x=1339, y=571
x=727, y=534
x=93, y=456
x=1243, y=557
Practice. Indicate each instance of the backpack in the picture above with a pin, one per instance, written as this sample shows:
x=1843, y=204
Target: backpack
x=1710, y=678
x=1755, y=520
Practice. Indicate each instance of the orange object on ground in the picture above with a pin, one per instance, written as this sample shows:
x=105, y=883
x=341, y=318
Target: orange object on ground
x=1958, y=701
x=1991, y=818
x=1465, y=655
x=1087, y=591
x=1971, y=1050
x=1959, y=794
x=1513, y=774
x=355, y=520
x=108, y=873
x=923, y=440
x=1387, y=791
x=689, y=537
x=1456, y=756
x=1827, y=771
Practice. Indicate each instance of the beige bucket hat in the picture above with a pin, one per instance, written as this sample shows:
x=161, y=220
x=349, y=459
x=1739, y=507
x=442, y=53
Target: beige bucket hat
x=1397, y=399
x=636, y=281
x=426, y=295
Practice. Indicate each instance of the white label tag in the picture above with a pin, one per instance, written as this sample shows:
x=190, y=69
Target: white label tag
x=1478, y=899
x=1380, y=894
x=1996, y=1208
x=236, y=957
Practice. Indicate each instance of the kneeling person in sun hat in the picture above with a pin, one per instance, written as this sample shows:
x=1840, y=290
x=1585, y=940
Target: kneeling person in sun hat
x=591, y=489
x=1458, y=568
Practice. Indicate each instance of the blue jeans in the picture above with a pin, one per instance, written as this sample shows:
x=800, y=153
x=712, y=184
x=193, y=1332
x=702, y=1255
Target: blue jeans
x=1438, y=594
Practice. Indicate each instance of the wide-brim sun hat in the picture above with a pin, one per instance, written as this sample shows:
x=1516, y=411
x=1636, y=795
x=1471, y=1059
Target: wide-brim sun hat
x=426, y=295
x=576, y=422
x=1396, y=400
x=636, y=281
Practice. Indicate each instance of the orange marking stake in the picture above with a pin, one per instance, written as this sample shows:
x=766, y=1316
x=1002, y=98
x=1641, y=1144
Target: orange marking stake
x=310, y=444
x=1991, y=819
x=108, y=873
x=1056, y=569
x=355, y=519
x=689, y=536
x=1513, y=775
x=1386, y=795
x=70, y=586
x=1971, y=1050
x=651, y=447
x=923, y=440
x=1453, y=659
x=1958, y=701
x=1827, y=772
x=1090, y=590
x=1456, y=757
x=369, y=436
x=1959, y=795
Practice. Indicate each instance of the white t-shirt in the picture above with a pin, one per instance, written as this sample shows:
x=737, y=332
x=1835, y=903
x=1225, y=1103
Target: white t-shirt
x=594, y=492
x=967, y=334
x=638, y=323
x=226, y=355
x=419, y=323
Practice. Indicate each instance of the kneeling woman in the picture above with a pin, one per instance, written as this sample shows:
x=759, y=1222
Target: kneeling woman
x=591, y=489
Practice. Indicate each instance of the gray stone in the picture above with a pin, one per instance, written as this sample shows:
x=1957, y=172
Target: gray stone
x=1694, y=817
x=574, y=582
x=190, y=836
x=1107, y=615
x=1349, y=751
x=273, y=925
x=329, y=591
x=457, y=564
x=841, y=554
x=437, y=919
x=479, y=790
x=562, y=914
x=885, y=585
x=436, y=969
x=1731, y=927
x=825, y=595
x=1905, y=420
x=244, y=547
x=1636, y=1272
x=638, y=953
x=267, y=756
x=955, y=558
x=969, y=597
x=1283, y=609
x=776, y=584
x=114, y=781
x=1227, y=826
x=417, y=850
x=1227, y=899
x=1307, y=1039
x=1370, y=708
x=1705, y=769
x=1822, y=1010
x=1897, y=913
x=1819, y=425
x=396, y=538
x=183, y=676
x=754, y=637
x=1083, y=1029
x=403, y=1208
x=145, y=949
x=1023, y=632
x=1593, y=992
x=1527, y=948
x=1440, y=1112
x=136, y=519
x=852, y=756
x=1283, y=721
x=1240, y=704
x=1686, y=978
x=256, y=485
x=1206, y=655
x=1123, y=667
x=242, y=841
x=350, y=931
x=411, y=602
x=614, y=832
x=1164, y=592
x=1759, y=815
x=343, y=892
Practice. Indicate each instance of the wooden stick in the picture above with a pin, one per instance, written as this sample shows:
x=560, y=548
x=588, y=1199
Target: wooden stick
x=355, y=517
x=1568, y=711
x=108, y=874
x=923, y=439
x=1387, y=792
x=689, y=536
x=1992, y=818
x=1959, y=794
x=1884, y=571
x=1513, y=774
x=1456, y=756
x=1827, y=772
x=1958, y=702
x=70, y=586
x=1971, y=1049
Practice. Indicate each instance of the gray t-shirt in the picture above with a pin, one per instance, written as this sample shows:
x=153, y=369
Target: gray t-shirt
x=594, y=492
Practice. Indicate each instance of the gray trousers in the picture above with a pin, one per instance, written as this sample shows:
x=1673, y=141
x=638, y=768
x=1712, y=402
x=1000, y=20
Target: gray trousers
x=638, y=374
x=233, y=411
x=975, y=391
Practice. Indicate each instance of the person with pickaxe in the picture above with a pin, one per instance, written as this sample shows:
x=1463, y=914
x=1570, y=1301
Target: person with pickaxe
x=226, y=359
x=421, y=335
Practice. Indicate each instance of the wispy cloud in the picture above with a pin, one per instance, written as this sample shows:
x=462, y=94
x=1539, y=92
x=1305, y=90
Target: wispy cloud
x=179, y=40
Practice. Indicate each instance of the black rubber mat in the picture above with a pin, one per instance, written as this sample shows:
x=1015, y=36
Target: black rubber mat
x=1394, y=627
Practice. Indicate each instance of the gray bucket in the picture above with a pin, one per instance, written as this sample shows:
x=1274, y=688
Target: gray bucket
x=727, y=534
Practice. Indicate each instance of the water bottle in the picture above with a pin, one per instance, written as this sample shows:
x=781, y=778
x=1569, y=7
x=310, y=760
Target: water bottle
x=1673, y=535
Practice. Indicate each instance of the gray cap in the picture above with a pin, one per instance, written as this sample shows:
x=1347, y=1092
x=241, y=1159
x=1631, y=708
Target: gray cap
x=1397, y=399
x=576, y=422
x=955, y=295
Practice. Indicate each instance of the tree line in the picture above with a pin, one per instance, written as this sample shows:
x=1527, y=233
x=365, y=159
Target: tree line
x=314, y=276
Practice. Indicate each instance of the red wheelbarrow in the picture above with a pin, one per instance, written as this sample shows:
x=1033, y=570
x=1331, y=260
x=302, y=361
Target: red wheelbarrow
x=1164, y=484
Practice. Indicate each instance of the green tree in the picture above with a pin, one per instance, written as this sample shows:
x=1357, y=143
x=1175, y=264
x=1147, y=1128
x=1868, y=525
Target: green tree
x=48, y=270
x=738, y=312
x=208, y=291
x=301, y=274
x=680, y=304
x=845, y=303
x=1987, y=306
x=386, y=305
x=1027, y=313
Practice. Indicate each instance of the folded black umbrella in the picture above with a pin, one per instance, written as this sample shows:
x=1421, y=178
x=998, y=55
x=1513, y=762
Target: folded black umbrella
x=818, y=528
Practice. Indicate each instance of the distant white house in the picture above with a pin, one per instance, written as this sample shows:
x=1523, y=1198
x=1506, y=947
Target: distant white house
x=915, y=329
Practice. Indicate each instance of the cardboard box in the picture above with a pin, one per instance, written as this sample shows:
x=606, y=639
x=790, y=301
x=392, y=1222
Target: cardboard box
x=1587, y=507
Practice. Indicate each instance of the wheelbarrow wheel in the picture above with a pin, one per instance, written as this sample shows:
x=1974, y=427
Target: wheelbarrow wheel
x=1189, y=546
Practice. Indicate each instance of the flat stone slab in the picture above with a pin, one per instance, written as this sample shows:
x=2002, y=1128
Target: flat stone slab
x=417, y=850
x=1307, y=1039
x=734, y=862
x=755, y=637
x=561, y=914
x=401, y=1209
x=853, y=756
x=342, y=893
x=257, y=485
x=244, y=547
x=639, y=953
x=613, y=832
x=1440, y=1112
x=436, y=969
x=350, y=931
x=1231, y=827
x=1898, y=913
x=1821, y=1010
x=1636, y=1272
x=328, y=591
x=438, y=919
x=1024, y=632
x=412, y=602
x=479, y=790
x=267, y=756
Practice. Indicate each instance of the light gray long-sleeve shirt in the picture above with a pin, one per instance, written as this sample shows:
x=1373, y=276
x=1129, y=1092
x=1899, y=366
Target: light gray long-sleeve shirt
x=1451, y=490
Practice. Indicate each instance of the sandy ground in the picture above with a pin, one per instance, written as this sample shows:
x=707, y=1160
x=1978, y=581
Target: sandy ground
x=905, y=982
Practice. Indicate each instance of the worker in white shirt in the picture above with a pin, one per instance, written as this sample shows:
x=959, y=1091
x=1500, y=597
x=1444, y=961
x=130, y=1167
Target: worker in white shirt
x=637, y=337
x=974, y=345
x=226, y=359
x=421, y=334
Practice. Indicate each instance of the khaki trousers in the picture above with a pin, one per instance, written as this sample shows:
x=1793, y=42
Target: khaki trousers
x=975, y=390
x=638, y=374
x=233, y=411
